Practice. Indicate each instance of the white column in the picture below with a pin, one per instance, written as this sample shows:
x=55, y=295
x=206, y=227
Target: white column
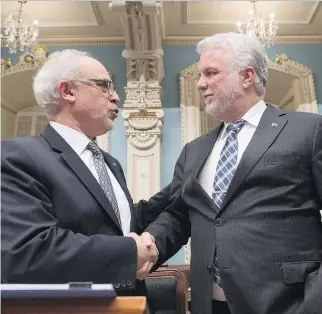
x=142, y=110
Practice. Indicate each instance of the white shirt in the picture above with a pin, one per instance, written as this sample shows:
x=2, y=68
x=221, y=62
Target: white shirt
x=78, y=142
x=207, y=174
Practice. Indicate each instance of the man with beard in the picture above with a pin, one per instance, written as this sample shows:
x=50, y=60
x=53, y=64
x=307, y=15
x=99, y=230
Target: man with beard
x=66, y=212
x=249, y=193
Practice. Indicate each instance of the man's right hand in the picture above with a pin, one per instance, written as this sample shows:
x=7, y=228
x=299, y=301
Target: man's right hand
x=147, y=254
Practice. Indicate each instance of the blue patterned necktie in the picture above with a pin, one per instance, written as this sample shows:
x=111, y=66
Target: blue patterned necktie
x=103, y=177
x=225, y=171
x=227, y=162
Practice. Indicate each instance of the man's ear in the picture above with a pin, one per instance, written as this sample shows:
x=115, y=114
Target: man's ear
x=65, y=91
x=248, y=76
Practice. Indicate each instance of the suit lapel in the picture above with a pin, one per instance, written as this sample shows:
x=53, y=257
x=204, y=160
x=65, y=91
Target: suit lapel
x=117, y=172
x=198, y=198
x=79, y=168
x=270, y=125
x=114, y=167
x=205, y=149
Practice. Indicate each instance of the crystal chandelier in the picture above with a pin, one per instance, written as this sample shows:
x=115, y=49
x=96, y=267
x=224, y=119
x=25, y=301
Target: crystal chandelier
x=17, y=33
x=257, y=27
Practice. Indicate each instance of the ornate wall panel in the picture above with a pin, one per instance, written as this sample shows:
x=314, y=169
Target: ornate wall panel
x=142, y=109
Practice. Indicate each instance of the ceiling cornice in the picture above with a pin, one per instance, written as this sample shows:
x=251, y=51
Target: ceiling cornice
x=64, y=42
x=193, y=40
x=168, y=40
x=94, y=41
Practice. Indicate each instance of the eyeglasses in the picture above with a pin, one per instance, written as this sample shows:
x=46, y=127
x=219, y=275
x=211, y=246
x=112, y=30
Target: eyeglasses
x=104, y=85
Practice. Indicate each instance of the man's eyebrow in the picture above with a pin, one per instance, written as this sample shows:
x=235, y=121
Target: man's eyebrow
x=100, y=80
x=211, y=68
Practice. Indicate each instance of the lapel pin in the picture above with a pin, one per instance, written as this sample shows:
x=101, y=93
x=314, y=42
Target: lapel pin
x=274, y=124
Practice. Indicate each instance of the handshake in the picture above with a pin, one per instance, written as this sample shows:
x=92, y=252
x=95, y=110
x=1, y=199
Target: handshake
x=147, y=254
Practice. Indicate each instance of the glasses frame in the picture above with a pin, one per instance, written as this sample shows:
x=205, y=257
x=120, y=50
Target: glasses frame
x=97, y=83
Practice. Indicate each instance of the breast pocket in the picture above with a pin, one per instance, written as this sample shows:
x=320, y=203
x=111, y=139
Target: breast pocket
x=283, y=166
x=297, y=272
x=283, y=160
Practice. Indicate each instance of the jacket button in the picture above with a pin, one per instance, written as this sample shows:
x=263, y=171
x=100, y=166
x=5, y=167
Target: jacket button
x=116, y=285
x=123, y=284
x=129, y=283
x=218, y=222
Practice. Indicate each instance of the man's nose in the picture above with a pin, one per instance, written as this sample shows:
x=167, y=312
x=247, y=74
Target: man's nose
x=114, y=98
x=201, y=84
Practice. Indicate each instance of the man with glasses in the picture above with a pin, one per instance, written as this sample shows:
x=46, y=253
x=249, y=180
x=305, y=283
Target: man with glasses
x=67, y=215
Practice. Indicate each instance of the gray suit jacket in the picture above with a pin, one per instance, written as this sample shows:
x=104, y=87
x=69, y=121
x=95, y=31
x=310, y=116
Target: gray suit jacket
x=268, y=231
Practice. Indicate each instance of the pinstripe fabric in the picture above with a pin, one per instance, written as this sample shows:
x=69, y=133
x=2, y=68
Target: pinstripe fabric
x=268, y=231
x=225, y=171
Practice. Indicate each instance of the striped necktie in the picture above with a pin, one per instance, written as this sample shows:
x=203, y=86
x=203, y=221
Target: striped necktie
x=225, y=171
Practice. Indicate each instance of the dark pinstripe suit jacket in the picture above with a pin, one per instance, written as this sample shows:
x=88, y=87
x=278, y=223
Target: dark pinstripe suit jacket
x=57, y=225
x=268, y=231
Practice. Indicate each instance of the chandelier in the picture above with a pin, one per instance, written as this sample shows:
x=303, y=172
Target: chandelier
x=257, y=27
x=17, y=33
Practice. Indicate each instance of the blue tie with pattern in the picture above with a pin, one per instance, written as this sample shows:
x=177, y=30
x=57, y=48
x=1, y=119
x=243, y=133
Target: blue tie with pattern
x=225, y=171
x=103, y=177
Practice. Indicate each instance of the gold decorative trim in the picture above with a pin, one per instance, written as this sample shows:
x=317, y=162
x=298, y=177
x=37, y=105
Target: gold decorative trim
x=82, y=42
x=172, y=40
x=63, y=42
x=168, y=40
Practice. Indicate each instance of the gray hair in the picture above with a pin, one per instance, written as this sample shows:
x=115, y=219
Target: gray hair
x=60, y=65
x=246, y=51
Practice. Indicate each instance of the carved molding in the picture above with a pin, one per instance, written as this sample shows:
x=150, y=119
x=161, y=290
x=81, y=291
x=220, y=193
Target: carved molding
x=170, y=40
x=142, y=111
x=303, y=75
x=67, y=42
x=143, y=116
x=193, y=40
x=143, y=129
x=143, y=96
x=145, y=64
x=26, y=62
x=191, y=103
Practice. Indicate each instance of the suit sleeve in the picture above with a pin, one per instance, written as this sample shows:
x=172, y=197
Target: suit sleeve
x=35, y=249
x=145, y=212
x=148, y=211
x=317, y=160
x=172, y=227
x=313, y=301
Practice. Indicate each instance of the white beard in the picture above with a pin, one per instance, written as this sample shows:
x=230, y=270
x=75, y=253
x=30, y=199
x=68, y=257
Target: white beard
x=224, y=99
x=109, y=124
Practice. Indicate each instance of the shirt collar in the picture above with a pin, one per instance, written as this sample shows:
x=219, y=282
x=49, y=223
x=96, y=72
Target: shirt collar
x=75, y=139
x=252, y=116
